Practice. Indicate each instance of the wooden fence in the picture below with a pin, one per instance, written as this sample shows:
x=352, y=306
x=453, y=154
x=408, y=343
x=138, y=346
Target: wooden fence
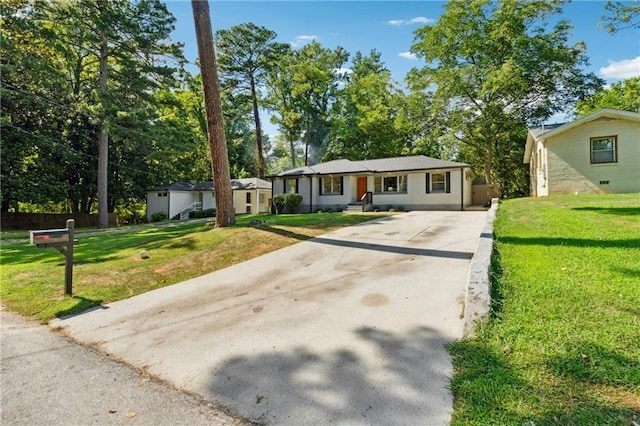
x=33, y=221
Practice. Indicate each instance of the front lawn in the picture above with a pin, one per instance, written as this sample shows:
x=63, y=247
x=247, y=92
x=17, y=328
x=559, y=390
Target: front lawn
x=563, y=344
x=108, y=266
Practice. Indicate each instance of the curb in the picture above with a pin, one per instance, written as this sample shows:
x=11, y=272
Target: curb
x=477, y=301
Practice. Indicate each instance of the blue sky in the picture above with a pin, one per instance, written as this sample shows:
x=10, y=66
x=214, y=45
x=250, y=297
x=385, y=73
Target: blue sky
x=388, y=27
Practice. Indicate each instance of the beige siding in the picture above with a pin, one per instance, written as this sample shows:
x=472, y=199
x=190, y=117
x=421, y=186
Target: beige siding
x=568, y=160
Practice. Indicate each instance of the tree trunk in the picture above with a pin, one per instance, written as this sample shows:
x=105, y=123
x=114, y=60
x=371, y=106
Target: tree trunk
x=225, y=214
x=256, y=118
x=307, y=142
x=103, y=143
x=292, y=152
x=487, y=164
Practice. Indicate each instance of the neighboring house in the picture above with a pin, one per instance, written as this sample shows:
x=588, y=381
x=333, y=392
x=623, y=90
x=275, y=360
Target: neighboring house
x=598, y=153
x=415, y=183
x=178, y=199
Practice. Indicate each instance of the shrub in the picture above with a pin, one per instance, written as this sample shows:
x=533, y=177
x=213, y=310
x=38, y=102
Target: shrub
x=389, y=207
x=400, y=208
x=199, y=214
x=158, y=216
x=292, y=201
x=279, y=202
x=339, y=209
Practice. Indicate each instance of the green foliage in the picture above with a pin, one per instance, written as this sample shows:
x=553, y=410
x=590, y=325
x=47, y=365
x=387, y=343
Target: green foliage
x=303, y=90
x=279, y=202
x=131, y=211
x=620, y=16
x=196, y=214
x=365, y=112
x=564, y=318
x=493, y=68
x=246, y=53
x=292, y=202
x=158, y=216
x=623, y=95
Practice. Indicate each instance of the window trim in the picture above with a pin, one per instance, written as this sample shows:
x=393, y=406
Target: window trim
x=398, y=186
x=284, y=185
x=341, y=183
x=429, y=183
x=615, y=149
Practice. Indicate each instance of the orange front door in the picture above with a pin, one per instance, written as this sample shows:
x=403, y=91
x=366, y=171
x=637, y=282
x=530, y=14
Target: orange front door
x=362, y=187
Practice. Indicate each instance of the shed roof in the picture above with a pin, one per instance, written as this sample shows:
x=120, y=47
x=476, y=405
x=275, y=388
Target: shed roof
x=236, y=184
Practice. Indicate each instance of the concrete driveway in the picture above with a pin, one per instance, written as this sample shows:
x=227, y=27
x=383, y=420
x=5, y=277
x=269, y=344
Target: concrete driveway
x=347, y=328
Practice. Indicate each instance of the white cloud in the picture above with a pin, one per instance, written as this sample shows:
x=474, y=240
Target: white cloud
x=416, y=20
x=408, y=55
x=625, y=68
x=303, y=39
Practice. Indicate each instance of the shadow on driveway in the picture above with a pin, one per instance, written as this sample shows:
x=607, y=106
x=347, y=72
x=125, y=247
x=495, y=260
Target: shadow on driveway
x=306, y=387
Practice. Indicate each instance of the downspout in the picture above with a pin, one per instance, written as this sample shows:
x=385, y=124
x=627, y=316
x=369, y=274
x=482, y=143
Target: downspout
x=168, y=204
x=311, y=194
x=461, y=189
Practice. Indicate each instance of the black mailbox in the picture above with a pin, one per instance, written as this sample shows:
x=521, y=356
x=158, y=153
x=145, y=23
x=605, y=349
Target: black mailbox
x=61, y=240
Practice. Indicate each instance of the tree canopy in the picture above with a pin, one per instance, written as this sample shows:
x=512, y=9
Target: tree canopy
x=493, y=68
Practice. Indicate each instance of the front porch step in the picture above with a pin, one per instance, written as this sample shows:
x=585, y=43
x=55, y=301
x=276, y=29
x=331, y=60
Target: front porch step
x=354, y=208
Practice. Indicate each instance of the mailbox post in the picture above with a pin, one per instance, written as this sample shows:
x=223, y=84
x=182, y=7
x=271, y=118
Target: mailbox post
x=61, y=240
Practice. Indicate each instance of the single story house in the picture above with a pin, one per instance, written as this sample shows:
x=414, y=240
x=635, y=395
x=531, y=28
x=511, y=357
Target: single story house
x=251, y=195
x=415, y=183
x=598, y=153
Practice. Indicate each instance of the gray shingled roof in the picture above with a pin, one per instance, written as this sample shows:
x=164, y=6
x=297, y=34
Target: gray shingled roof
x=381, y=165
x=245, y=183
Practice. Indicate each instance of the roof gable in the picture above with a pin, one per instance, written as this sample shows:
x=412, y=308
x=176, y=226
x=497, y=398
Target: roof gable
x=544, y=132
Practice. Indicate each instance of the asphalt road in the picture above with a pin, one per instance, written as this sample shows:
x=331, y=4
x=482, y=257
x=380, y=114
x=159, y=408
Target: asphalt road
x=45, y=379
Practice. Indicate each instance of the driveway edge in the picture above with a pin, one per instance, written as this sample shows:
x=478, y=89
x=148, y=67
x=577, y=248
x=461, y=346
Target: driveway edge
x=477, y=301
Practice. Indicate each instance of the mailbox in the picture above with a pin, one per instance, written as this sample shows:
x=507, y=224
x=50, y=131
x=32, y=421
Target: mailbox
x=61, y=240
x=49, y=237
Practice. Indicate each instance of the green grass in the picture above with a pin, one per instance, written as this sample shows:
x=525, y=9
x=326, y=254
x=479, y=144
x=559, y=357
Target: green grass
x=562, y=346
x=108, y=266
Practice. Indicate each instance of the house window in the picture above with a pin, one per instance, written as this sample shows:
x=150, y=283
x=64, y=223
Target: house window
x=248, y=198
x=248, y=209
x=291, y=185
x=261, y=198
x=438, y=182
x=162, y=194
x=382, y=184
x=603, y=150
x=331, y=186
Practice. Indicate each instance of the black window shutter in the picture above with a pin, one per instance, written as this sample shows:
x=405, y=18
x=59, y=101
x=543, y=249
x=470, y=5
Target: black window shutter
x=321, y=189
x=448, y=182
x=297, y=191
x=341, y=185
x=428, y=184
x=284, y=186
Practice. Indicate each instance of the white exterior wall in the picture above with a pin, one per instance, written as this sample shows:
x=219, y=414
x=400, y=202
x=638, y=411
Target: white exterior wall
x=208, y=200
x=156, y=204
x=569, y=169
x=468, y=188
x=180, y=200
x=415, y=198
